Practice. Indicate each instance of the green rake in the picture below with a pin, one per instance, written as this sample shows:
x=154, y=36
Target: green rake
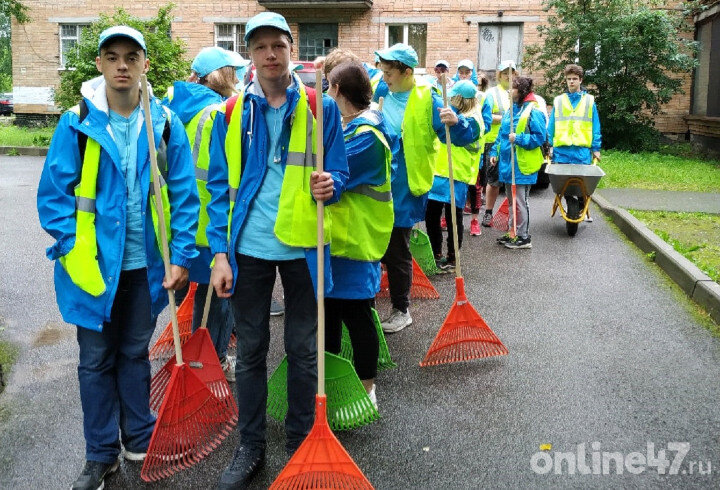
x=348, y=405
x=422, y=252
x=384, y=360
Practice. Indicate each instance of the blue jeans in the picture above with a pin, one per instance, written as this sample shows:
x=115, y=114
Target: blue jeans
x=251, y=305
x=114, y=373
x=220, y=320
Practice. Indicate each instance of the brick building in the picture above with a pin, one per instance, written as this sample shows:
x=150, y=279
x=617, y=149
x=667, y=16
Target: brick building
x=439, y=29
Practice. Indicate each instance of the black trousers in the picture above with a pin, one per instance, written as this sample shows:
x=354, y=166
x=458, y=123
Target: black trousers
x=433, y=212
x=358, y=318
x=398, y=261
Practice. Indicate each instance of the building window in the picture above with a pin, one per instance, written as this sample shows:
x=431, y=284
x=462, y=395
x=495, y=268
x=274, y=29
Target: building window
x=316, y=40
x=414, y=35
x=232, y=38
x=69, y=38
x=499, y=42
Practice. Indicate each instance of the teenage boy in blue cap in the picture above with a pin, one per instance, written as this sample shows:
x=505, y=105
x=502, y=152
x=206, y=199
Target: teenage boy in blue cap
x=196, y=102
x=413, y=110
x=95, y=199
x=263, y=188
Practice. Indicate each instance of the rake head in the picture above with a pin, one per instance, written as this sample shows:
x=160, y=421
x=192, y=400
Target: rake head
x=192, y=422
x=384, y=360
x=464, y=335
x=348, y=405
x=501, y=217
x=421, y=251
x=199, y=354
x=421, y=287
x=321, y=461
x=164, y=347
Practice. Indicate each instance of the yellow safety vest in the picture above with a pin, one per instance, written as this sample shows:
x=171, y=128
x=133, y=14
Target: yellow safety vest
x=529, y=161
x=573, y=127
x=466, y=159
x=501, y=102
x=296, y=222
x=81, y=263
x=420, y=142
x=362, y=220
x=375, y=81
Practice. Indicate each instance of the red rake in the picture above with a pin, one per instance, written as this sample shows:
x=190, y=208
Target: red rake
x=191, y=421
x=464, y=335
x=501, y=217
x=421, y=287
x=321, y=461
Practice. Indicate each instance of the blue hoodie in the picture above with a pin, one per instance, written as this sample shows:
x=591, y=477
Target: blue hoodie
x=56, y=205
x=575, y=154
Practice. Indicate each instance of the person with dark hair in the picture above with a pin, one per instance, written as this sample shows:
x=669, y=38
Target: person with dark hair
x=524, y=135
x=362, y=222
x=574, y=129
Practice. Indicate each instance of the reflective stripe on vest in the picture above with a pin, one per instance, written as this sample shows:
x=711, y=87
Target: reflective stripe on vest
x=419, y=140
x=198, y=132
x=375, y=81
x=296, y=222
x=466, y=159
x=362, y=220
x=529, y=161
x=573, y=127
x=501, y=101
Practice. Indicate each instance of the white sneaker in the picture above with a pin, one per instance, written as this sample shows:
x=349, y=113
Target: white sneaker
x=228, y=367
x=372, y=396
x=396, y=321
x=131, y=456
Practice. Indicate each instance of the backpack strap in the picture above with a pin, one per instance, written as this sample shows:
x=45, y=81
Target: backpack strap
x=229, y=106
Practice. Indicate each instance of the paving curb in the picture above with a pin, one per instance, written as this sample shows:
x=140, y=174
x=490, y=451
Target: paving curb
x=696, y=284
x=34, y=151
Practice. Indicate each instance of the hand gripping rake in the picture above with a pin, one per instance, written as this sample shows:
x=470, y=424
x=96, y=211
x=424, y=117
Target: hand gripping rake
x=321, y=461
x=163, y=347
x=192, y=421
x=464, y=335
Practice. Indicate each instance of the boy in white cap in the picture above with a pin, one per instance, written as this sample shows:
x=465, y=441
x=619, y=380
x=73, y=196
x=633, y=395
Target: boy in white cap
x=94, y=198
x=414, y=111
x=263, y=218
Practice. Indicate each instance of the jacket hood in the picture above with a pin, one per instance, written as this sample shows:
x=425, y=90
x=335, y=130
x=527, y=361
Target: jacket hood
x=95, y=90
x=190, y=98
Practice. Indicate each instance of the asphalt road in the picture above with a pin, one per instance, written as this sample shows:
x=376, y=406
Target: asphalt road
x=602, y=353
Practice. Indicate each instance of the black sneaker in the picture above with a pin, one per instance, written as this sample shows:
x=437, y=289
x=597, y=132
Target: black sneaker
x=246, y=462
x=445, y=265
x=487, y=219
x=504, y=239
x=93, y=475
x=276, y=309
x=518, y=242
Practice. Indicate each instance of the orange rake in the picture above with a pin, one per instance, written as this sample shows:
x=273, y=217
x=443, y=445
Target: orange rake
x=464, y=335
x=421, y=287
x=501, y=217
x=163, y=348
x=321, y=461
x=191, y=421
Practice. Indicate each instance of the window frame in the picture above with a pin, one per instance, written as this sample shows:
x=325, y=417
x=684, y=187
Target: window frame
x=78, y=33
x=237, y=37
x=420, y=69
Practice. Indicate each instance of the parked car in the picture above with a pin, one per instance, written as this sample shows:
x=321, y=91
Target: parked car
x=6, y=104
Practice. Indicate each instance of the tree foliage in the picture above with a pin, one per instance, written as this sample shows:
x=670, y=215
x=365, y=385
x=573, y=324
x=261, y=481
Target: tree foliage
x=5, y=54
x=167, y=62
x=13, y=8
x=633, y=53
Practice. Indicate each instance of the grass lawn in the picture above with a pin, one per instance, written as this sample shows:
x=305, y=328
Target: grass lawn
x=16, y=136
x=674, y=168
x=694, y=235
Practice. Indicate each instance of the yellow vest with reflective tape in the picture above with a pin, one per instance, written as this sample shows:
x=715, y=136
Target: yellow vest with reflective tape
x=573, y=127
x=529, y=161
x=420, y=142
x=466, y=159
x=501, y=102
x=375, y=81
x=81, y=263
x=296, y=222
x=362, y=220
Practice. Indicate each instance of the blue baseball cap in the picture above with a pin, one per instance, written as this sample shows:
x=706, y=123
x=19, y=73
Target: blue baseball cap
x=267, y=19
x=399, y=52
x=210, y=59
x=464, y=88
x=121, y=31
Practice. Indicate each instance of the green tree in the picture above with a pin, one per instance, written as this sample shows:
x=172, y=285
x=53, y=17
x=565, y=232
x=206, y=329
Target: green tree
x=167, y=62
x=633, y=54
x=13, y=8
x=5, y=54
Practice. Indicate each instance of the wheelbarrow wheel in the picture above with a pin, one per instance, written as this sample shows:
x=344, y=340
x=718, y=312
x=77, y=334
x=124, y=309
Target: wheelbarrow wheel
x=573, y=211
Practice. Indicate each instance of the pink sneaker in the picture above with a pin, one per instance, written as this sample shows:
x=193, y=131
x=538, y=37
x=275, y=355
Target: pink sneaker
x=475, y=227
x=443, y=224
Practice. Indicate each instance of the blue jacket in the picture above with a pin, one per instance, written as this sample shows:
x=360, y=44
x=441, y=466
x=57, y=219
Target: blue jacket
x=254, y=162
x=355, y=279
x=410, y=209
x=56, y=206
x=189, y=99
x=575, y=154
x=533, y=138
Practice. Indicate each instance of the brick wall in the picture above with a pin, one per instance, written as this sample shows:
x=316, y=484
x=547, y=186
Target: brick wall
x=452, y=34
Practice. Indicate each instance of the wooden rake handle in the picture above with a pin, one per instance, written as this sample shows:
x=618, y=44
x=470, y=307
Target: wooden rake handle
x=160, y=215
x=448, y=144
x=320, y=238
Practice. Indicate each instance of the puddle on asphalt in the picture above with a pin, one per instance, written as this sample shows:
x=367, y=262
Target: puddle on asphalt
x=52, y=333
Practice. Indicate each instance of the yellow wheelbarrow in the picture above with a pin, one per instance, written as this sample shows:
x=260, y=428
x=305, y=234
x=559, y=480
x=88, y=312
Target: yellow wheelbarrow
x=573, y=180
